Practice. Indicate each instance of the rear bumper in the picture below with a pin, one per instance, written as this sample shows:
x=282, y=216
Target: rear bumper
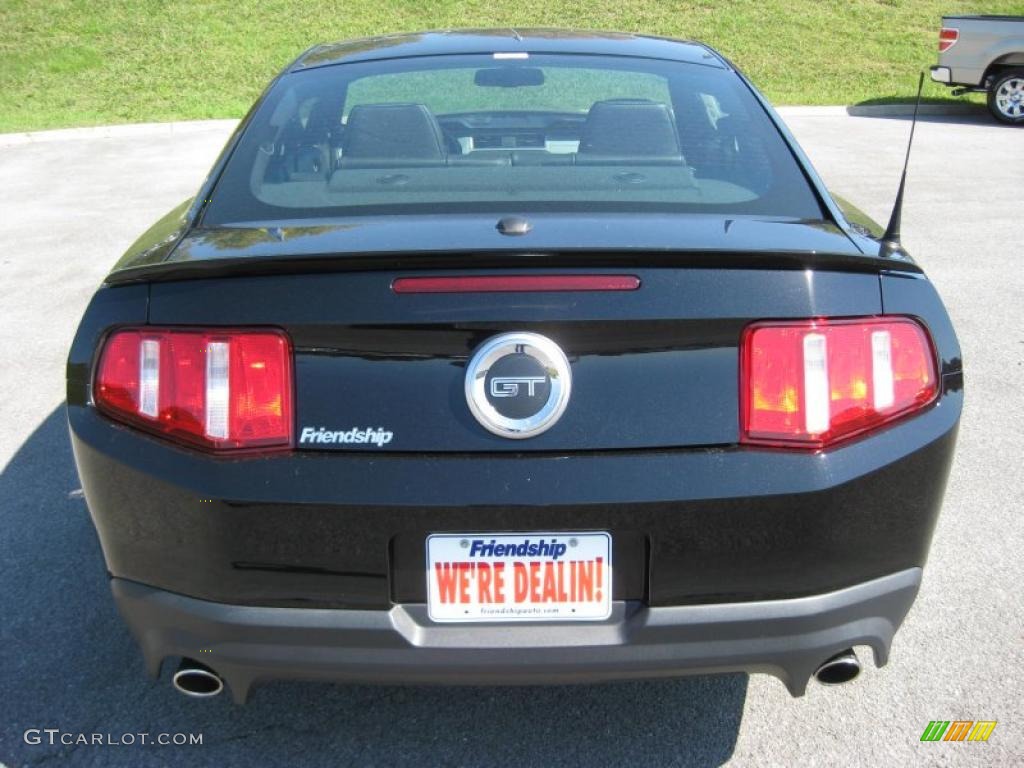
x=966, y=77
x=785, y=638
x=688, y=527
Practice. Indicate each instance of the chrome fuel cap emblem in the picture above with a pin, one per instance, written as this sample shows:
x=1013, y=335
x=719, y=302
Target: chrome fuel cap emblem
x=518, y=384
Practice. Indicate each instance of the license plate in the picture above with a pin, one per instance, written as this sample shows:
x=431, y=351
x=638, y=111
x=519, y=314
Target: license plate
x=519, y=576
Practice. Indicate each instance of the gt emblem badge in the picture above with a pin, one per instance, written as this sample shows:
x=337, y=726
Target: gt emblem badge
x=518, y=384
x=508, y=386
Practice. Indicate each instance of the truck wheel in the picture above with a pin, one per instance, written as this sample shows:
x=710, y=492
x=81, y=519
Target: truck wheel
x=1006, y=97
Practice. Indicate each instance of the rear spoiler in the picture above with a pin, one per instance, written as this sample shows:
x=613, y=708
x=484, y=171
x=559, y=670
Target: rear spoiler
x=247, y=266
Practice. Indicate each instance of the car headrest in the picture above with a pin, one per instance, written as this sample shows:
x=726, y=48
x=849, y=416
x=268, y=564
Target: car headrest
x=393, y=131
x=630, y=127
x=323, y=123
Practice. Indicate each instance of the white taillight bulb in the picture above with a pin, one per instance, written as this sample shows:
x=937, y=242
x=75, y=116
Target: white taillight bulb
x=816, y=391
x=881, y=369
x=149, y=378
x=217, y=389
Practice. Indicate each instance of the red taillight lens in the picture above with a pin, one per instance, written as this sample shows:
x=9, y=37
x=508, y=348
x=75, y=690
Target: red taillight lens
x=947, y=38
x=222, y=389
x=812, y=383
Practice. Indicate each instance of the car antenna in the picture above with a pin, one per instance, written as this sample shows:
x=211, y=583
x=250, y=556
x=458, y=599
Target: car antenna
x=891, y=238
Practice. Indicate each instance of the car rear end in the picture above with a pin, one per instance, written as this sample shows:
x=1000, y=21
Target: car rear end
x=972, y=47
x=303, y=460
x=958, y=64
x=984, y=54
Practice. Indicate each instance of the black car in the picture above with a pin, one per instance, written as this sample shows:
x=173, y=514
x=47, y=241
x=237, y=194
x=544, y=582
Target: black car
x=513, y=357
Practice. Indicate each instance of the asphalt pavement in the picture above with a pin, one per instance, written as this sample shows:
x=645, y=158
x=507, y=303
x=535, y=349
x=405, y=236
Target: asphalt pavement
x=72, y=201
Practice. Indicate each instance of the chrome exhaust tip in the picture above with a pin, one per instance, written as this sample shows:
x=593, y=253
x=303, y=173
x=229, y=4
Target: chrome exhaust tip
x=197, y=680
x=841, y=668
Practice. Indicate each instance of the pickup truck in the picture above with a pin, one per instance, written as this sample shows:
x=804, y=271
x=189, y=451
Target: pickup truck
x=984, y=54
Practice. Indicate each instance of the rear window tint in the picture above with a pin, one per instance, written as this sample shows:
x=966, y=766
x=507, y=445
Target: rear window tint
x=472, y=133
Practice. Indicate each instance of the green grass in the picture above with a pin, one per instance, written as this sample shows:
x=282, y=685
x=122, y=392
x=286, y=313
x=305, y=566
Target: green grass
x=92, y=62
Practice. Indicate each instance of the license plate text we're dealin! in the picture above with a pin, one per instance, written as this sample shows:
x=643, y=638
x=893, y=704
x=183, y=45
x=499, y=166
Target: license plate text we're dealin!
x=509, y=577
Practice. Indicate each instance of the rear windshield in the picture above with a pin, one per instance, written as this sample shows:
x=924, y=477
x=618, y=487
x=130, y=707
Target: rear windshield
x=486, y=133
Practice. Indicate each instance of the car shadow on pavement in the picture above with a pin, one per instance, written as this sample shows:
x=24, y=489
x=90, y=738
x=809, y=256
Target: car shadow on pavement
x=70, y=664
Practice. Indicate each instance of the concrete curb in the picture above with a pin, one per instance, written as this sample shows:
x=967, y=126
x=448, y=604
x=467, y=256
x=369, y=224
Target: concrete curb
x=116, y=131
x=883, y=110
x=906, y=110
x=196, y=126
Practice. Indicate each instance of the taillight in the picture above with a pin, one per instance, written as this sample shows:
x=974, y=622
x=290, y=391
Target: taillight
x=811, y=383
x=219, y=389
x=947, y=38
